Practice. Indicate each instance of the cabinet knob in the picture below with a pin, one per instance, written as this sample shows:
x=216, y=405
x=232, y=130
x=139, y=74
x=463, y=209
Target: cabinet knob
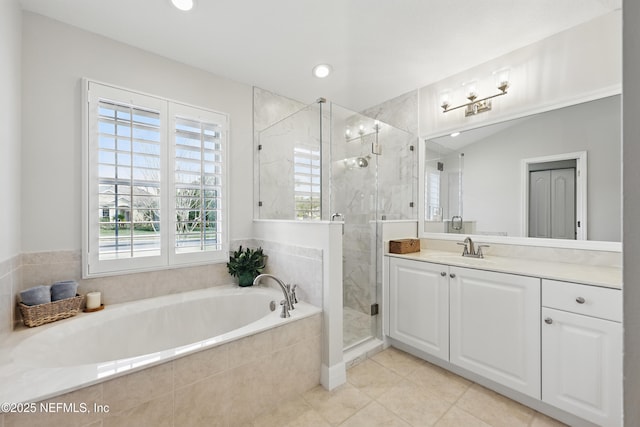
x=452, y=275
x=548, y=320
x=443, y=273
x=580, y=300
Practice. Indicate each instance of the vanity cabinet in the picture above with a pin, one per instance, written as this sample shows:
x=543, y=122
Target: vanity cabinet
x=419, y=305
x=582, y=350
x=495, y=327
x=485, y=322
x=555, y=341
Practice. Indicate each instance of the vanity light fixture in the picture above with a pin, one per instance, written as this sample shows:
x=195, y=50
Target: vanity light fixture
x=475, y=105
x=322, y=70
x=183, y=5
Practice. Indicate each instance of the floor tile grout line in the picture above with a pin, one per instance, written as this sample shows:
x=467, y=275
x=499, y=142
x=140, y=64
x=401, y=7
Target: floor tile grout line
x=406, y=377
x=355, y=413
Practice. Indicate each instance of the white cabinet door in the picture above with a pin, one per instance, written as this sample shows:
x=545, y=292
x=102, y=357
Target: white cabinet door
x=495, y=327
x=419, y=305
x=582, y=366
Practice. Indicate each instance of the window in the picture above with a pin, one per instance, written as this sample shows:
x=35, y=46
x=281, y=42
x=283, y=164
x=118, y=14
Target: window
x=155, y=175
x=307, y=182
x=434, y=210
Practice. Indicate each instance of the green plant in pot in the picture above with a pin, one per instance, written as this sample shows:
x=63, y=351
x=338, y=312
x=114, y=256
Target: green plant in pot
x=246, y=265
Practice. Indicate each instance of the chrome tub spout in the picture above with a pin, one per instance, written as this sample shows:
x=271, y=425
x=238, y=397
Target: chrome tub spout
x=287, y=303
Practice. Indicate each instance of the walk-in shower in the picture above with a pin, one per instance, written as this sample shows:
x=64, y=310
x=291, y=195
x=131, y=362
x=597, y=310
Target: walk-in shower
x=326, y=162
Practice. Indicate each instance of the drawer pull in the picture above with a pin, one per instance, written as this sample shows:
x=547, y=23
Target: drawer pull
x=453, y=276
x=548, y=320
x=580, y=300
x=443, y=273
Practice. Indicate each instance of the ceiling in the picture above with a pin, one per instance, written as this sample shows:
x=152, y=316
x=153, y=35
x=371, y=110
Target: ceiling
x=379, y=49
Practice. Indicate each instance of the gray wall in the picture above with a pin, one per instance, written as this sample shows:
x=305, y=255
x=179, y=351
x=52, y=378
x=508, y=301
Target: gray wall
x=631, y=202
x=10, y=111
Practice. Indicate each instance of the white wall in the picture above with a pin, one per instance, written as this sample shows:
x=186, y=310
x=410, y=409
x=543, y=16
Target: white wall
x=10, y=112
x=631, y=212
x=55, y=58
x=583, y=62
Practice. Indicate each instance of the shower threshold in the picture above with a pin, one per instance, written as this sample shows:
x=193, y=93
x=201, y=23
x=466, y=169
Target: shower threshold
x=361, y=351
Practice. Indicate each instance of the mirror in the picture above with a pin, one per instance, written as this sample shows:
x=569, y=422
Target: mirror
x=554, y=175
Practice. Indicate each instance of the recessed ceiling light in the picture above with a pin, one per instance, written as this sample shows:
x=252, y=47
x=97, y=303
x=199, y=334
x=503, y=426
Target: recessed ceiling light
x=322, y=70
x=184, y=5
x=453, y=135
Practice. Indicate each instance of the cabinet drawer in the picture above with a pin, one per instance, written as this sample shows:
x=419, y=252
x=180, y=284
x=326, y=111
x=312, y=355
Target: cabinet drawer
x=593, y=301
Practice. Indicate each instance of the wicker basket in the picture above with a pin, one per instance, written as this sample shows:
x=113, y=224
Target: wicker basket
x=36, y=315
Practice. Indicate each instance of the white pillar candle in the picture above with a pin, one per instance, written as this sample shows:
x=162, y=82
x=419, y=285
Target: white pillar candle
x=93, y=300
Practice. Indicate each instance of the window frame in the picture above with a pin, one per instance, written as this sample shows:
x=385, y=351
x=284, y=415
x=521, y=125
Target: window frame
x=92, y=265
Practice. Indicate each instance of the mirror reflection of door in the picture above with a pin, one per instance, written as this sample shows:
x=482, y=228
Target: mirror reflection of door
x=552, y=200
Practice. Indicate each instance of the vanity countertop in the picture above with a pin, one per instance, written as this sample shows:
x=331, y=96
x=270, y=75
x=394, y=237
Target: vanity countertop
x=610, y=277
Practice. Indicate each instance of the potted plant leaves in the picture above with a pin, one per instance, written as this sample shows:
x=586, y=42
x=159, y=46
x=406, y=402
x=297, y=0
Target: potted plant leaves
x=246, y=264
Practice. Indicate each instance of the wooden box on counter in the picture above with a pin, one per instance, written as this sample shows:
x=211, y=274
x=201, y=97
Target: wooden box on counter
x=404, y=246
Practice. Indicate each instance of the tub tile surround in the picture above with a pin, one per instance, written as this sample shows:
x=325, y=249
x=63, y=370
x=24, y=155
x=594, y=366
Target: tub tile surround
x=10, y=277
x=48, y=267
x=227, y=385
x=292, y=264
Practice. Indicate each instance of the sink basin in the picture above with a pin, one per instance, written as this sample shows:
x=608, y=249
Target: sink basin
x=453, y=258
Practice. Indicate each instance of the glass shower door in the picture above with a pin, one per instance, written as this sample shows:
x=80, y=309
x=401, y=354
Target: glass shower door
x=373, y=177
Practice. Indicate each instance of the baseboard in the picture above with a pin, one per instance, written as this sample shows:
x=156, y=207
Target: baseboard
x=333, y=376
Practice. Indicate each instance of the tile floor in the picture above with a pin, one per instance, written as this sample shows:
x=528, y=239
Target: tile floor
x=394, y=388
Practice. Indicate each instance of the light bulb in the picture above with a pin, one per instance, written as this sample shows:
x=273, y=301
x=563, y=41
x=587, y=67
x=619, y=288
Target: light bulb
x=445, y=100
x=471, y=89
x=322, y=70
x=183, y=5
x=502, y=79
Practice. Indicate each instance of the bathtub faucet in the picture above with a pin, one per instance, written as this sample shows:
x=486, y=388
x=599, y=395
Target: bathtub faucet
x=287, y=304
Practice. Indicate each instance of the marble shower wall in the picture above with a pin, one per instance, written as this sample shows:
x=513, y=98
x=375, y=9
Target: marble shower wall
x=277, y=153
x=280, y=126
x=385, y=188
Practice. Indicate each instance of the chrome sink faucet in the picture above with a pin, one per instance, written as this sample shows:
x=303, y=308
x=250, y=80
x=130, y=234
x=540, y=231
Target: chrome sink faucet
x=287, y=303
x=470, y=249
x=469, y=242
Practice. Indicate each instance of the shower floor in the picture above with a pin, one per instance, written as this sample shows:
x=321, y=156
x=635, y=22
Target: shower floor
x=357, y=327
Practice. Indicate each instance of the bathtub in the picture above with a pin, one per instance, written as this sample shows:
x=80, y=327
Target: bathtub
x=67, y=355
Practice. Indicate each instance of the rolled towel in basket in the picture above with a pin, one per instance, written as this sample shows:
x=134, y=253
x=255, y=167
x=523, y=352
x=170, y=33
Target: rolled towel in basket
x=36, y=295
x=63, y=290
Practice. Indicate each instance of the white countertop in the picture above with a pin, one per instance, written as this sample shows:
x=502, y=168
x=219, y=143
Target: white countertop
x=610, y=277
